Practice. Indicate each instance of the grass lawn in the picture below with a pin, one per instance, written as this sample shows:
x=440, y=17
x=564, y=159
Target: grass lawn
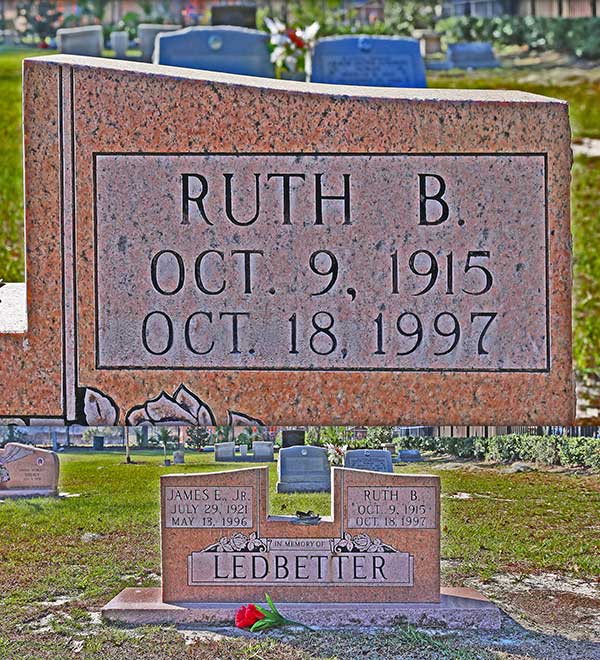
x=62, y=559
x=580, y=87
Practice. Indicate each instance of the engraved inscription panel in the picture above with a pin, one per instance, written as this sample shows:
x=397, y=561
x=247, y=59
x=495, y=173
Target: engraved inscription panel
x=391, y=507
x=227, y=507
x=321, y=262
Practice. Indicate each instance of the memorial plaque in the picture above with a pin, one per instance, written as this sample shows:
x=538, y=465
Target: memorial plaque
x=26, y=471
x=381, y=543
x=208, y=507
x=405, y=246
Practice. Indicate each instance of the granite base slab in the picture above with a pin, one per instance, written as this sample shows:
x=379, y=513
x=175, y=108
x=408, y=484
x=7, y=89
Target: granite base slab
x=28, y=492
x=302, y=487
x=459, y=608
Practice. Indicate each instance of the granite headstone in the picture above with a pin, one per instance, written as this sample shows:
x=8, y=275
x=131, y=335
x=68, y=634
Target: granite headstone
x=376, y=460
x=26, y=471
x=471, y=55
x=293, y=438
x=370, y=61
x=225, y=451
x=303, y=469
x=226, y=49
x=87, y=40
x=263, y=450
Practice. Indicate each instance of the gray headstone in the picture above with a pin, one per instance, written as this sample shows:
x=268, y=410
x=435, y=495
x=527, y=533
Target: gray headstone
x=263, y=450
x=474, y=55
x=242, y=15
x=292, y=438
x=243, y=451
x=86, y=40
x=178, y=457
x=409, y=456
x=225, y=451
x=376, y=460
x=365, y=60
x=225, y=49
x=119, y=42
x=303, y=470
x=147, y=33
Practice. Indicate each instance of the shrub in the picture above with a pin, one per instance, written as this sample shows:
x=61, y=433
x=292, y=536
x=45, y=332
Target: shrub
x=545, y=450
x=575, y=36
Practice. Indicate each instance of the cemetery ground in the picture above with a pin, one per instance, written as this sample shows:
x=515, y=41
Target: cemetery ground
x=528, y=539
x=550, y=75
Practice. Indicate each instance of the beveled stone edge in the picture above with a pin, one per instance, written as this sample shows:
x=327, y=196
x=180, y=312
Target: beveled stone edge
x=399, y=93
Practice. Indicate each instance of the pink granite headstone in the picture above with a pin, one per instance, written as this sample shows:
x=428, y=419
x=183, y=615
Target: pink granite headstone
x=205, y=248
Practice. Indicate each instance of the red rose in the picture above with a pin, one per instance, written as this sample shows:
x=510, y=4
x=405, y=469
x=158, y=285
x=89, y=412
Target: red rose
x=247, y=616
x=295, y=39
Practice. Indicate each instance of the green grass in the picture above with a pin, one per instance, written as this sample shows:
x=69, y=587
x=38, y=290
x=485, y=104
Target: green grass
x=586, y=266
x=581, y=88
x=514, y=523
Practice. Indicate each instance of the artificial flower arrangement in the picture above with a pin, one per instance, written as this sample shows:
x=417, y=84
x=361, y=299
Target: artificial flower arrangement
x=257, y=618
x=290, y=46
x=336, y=453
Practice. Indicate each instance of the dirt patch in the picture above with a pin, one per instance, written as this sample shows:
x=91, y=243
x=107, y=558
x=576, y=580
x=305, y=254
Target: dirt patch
x=548, y=602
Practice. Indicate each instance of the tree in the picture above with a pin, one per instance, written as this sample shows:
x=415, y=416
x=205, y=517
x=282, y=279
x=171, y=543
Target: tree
x=197, y=437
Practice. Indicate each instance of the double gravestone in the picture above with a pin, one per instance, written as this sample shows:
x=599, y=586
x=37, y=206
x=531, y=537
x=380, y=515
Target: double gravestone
x=400, y=246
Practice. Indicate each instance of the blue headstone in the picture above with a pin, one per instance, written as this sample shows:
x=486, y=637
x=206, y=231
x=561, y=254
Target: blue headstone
x=372, y=61
x=376, y=460
x=474, y=55
x=409, y=456
x=226, y=49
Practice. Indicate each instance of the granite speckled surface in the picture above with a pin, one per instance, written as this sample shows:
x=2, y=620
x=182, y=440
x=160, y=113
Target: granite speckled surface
x=89, y=106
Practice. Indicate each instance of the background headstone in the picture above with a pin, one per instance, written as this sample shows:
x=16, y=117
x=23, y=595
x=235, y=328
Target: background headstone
x=292, y=437
x=303, y=469
x=371, y=61
x=225, y=451
x=471, y=55
x=263, y=450
x=88, y=40
x=376, y=460
x=409, y=456
x=27, y=471
x=226, y=49
x=147, y=33
x=243, y=451
x=240, y=15
x=119, y=42
x=178, y=457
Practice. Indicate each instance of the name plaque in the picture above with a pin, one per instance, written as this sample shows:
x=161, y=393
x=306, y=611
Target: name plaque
x=337, y=262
